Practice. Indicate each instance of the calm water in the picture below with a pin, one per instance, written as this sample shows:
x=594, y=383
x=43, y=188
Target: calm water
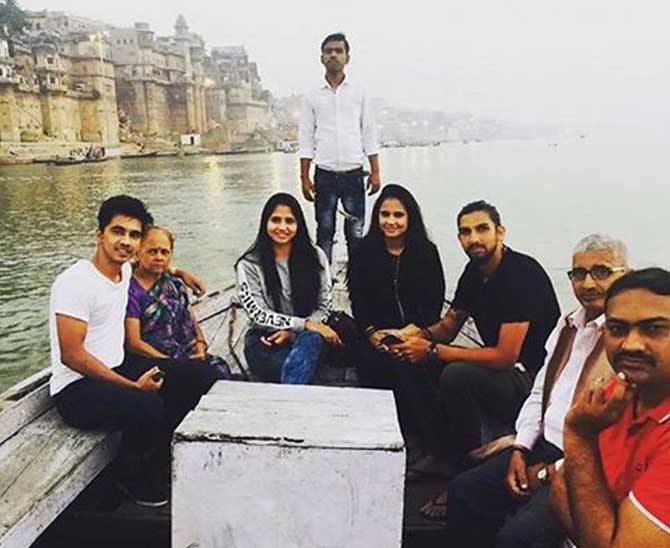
x=549, y=196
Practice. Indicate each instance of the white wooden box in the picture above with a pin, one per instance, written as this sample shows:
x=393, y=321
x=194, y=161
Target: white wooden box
x=277, y=466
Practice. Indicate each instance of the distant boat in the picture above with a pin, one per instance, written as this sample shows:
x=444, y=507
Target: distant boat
x=66, y=161
x=91, y=154
x=74, y=161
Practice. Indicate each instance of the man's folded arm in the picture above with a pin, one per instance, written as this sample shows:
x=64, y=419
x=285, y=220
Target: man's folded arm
x=501, y=357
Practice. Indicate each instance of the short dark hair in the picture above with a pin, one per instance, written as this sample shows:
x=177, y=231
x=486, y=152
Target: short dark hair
x=480, y=205
x=336, y=37
x=123, y=205
x=656, y=280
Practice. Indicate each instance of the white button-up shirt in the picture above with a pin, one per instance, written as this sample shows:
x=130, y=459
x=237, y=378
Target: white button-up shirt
x=337, y=127
x=529, y=424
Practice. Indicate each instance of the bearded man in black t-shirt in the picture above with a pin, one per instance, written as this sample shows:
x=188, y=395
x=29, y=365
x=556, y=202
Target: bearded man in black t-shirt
x=450, y=388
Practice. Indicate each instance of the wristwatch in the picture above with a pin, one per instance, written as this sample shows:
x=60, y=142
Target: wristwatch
x=543, y=476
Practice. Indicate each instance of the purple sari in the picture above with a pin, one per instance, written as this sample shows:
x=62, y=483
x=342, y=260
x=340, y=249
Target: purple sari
x=165, y=320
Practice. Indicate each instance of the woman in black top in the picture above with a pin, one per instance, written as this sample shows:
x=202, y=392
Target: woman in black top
x=395, y=277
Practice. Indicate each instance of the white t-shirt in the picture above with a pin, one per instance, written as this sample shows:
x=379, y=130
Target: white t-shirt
x=82, y=292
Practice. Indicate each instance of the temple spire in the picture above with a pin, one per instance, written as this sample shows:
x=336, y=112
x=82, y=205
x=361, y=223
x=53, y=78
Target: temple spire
x=181, y=27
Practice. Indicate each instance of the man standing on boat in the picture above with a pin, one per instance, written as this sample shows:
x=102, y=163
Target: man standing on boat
x=337, y=132
x=93, y=382
x=507, y=497
x=451, y=388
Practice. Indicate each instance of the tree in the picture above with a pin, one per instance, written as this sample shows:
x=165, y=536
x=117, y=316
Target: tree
x=12, y=17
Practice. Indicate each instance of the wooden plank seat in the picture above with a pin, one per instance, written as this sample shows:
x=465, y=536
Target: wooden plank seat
x=45, y=463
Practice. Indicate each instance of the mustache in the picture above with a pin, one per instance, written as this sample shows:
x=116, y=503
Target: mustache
x=637, y=356
x=592, y=293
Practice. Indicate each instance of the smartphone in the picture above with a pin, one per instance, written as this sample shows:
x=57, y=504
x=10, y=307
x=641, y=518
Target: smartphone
x=390, y=340
x=158, y=375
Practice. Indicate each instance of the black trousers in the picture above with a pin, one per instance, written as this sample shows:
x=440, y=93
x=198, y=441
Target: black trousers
x=147, y=419
x=384, y=371
x=481, y=513
x=450, y=402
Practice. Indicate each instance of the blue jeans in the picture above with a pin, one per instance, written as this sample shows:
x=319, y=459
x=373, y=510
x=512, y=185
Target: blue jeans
x=293, y=363
x=350, y=189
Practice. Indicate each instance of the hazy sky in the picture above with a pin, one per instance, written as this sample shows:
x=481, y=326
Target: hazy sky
x=579, y=63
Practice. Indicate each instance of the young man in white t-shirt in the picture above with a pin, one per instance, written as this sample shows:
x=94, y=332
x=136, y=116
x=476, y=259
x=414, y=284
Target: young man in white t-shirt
x=93, y=382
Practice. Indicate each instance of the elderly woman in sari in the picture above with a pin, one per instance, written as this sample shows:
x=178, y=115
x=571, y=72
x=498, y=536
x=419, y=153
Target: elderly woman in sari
x=159, y=322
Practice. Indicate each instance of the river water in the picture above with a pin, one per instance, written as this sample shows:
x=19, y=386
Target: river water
x=549, y=195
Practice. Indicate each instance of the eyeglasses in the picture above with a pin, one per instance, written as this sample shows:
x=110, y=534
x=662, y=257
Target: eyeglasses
x=597, y=271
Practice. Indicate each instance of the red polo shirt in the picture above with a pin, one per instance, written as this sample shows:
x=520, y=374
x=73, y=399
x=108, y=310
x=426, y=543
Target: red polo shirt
x=636, y=459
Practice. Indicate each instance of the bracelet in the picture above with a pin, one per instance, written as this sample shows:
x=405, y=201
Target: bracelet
x=370, y=330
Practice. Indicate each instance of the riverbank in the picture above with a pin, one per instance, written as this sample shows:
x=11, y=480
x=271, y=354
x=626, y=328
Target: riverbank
x=43, y=152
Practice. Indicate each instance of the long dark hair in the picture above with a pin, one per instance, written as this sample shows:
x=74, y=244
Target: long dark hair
x=416, y=236
x=303, y=262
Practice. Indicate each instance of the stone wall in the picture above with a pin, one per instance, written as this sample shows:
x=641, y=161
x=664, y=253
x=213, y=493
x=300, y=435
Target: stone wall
x=245, y=118
x=163, y=110
x=20, y=115
x=98, y=109
x=29, y=114
x=61, y=116
x=147, y=105
x=78, y=105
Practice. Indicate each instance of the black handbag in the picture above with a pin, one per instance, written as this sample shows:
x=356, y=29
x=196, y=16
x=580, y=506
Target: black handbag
x=344, y=325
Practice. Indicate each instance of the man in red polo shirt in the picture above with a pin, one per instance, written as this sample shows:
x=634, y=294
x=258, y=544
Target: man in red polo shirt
x=616, y=484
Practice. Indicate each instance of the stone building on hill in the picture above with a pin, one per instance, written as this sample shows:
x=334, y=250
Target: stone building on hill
x=247, y=116
x=73, y=79
x=61, y=87
x=160, y=81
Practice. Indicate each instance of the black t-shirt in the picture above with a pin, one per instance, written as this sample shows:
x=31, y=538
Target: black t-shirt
x=518, y=291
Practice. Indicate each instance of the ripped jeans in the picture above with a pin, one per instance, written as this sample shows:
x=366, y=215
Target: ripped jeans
x=293, y=363
x=349, y=188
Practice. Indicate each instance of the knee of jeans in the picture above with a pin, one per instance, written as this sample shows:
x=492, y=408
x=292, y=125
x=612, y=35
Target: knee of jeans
x=354, y=228
x=456, y=377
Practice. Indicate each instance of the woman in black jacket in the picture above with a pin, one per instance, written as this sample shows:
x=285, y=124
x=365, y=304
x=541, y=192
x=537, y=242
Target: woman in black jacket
x=395, y=277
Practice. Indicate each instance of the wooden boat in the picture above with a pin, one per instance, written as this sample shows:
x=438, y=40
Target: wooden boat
x=66, y=161
x=55, y=480
x=75, y=161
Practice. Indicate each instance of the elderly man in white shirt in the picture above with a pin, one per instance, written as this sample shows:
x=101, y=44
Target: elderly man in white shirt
x=337, y=132
x=506, y=499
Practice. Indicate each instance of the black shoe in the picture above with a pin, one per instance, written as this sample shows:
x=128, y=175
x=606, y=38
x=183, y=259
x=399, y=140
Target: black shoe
x=144, y=491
